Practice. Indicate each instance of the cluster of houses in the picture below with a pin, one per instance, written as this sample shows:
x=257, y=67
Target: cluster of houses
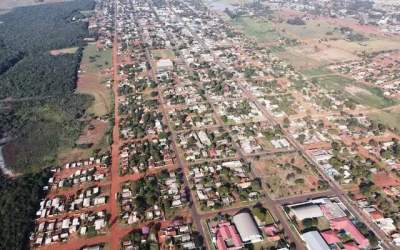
x=96, y=173
x=221, y=184
x=192, y=117
x=75, y=202
x=175, y=234
x=204, y=144
x=152, y=197
x=61, y=229
x=149, y=154
x=60, y=204
x=258, y=138
x=239, y=111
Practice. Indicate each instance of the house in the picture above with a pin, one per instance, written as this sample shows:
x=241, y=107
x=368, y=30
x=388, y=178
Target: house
x=227, y=237
x=344, y=224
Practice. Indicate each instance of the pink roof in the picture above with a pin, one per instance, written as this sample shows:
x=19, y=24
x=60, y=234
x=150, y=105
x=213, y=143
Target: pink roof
x=226, y=231
x=330, y=237
x=345, y=224
x=270, y=230
x=351, y=246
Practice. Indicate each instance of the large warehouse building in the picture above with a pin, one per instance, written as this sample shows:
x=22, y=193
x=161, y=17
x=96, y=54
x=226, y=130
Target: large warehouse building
x=247, y=228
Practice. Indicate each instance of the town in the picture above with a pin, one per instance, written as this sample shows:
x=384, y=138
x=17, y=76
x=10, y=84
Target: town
x=220, y=143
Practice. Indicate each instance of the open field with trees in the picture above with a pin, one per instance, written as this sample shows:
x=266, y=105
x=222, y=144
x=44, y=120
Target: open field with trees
x=361, y=94
x=93, y=77
x=259, y=29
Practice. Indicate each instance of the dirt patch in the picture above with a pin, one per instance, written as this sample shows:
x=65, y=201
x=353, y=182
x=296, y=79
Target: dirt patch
x=287, y=175
x=90, y=83
x=354, y=90
x=383, y=180
x=58, y=52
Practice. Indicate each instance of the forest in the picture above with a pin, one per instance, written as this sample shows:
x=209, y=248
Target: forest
x=18, y=203
x=44, y=113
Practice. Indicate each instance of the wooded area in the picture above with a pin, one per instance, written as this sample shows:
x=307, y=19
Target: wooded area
x=18, y=203
x=51, y=118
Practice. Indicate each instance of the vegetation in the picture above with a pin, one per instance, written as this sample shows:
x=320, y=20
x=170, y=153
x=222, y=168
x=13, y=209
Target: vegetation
x=49, y=114
x=19, y=199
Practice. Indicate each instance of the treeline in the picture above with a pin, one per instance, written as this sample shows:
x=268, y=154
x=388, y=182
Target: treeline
x=41, y=75
x=41, y=28
x=18, y=203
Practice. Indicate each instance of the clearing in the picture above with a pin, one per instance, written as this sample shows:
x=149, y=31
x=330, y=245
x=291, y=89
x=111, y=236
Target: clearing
x=94, y=74
x=262, y=31
x=58, y=52
x=287, y=175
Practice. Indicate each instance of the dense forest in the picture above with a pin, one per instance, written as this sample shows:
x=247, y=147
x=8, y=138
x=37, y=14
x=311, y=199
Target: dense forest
x=18, y=203
x=45, y=113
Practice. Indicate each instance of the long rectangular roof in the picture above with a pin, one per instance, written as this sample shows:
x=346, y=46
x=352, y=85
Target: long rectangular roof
x=314, y=241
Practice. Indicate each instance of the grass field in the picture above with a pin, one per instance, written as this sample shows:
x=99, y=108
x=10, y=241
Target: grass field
x=313, y=29
x=95, y=60
x=313, y=72
x=388, y=118
x=365, y=95
x=262, y=31
x=372, y=45
x=163, y=54
x=94, y=72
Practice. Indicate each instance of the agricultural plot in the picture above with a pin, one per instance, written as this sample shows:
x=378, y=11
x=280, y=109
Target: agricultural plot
x=364, y=95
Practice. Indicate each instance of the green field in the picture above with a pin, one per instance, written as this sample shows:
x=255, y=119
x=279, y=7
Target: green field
x=262, y=31
x=364, y=95
x=333, y=82
x=313, y=72
x=313, y=29
x=388, y=118
x=96, y=60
